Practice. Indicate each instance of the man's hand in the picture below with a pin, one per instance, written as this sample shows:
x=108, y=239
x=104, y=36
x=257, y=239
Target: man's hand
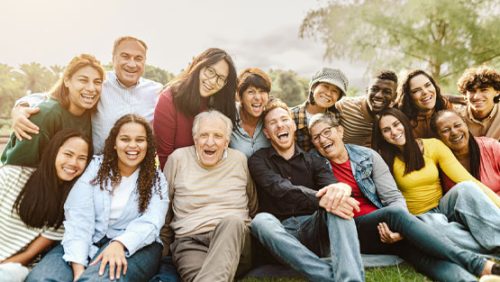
x=114, y=254
x=22, y=126
x=333, y=195
x=386, y=235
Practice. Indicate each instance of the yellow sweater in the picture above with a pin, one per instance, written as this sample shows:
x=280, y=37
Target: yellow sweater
x=422, y=188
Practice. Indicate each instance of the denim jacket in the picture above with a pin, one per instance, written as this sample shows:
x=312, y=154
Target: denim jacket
x=87, y=211
x=373, y=177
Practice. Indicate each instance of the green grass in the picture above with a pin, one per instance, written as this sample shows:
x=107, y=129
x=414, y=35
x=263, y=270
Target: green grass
x=399, y=273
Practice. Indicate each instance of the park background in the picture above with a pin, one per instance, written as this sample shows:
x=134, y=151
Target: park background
x=289, y=39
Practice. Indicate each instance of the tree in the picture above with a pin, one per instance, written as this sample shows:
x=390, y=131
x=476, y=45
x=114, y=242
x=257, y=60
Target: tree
x=444, y=36
x=11, y=88
x=157, y=74
x=288, y=86
x=37, y=78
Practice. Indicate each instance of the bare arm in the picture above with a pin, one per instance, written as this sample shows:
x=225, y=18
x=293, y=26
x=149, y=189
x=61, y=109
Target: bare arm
x=34, y=248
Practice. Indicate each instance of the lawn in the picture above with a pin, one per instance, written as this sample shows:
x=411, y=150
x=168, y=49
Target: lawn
x=399, y=273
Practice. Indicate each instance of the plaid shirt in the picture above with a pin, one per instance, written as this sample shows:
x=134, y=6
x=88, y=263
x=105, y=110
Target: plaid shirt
x=302, y=137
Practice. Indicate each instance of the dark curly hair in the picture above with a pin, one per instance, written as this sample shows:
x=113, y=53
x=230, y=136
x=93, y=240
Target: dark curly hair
x=481, y=77
x=406, y=104
x=148, y=174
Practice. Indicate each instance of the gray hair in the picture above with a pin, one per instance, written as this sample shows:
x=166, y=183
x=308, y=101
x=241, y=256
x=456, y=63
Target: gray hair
x=328, y=118
x=211, y=115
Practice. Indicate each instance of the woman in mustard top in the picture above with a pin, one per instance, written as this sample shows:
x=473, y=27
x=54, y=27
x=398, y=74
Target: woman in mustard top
x=469, y=211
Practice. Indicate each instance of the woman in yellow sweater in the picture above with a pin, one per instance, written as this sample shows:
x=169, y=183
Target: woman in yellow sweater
x=471, y=210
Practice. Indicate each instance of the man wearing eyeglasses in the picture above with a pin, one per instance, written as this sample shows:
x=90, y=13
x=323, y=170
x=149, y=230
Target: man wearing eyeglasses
x=305, y=214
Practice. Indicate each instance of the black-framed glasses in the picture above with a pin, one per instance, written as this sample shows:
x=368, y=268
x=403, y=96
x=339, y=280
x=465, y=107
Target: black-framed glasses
x=210, y=73
x=327, y=132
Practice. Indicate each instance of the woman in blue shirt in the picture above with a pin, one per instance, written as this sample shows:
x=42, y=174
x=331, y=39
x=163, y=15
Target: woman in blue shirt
x=114, y=213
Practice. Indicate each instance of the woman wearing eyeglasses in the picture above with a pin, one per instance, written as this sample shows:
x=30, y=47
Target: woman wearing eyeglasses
x=208, y=82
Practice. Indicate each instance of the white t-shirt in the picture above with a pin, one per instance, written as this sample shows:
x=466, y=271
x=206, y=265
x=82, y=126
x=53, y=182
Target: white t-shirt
x=121, y=194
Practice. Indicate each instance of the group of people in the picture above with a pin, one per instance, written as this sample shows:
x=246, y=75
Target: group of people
x=114, y=176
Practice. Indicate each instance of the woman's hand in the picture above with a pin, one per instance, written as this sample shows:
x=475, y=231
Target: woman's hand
x=114, y=254
x=77, y=270
x=386, y=235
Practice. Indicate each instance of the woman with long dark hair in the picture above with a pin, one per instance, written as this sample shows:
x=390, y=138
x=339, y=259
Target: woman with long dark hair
x=71, y=101
x=114, y=213
x=415, y=165
x=32, y=199
x=419, y=98
x=208, y=82
x=479, y=155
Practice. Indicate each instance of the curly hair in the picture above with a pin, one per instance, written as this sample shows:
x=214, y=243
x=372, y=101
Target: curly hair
x=148, y=175
x=481, y=77
x=406, y=104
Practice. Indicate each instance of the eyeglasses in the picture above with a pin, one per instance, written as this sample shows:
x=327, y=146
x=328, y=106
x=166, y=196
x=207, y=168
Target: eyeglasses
x=210, y=73
x=327, y=132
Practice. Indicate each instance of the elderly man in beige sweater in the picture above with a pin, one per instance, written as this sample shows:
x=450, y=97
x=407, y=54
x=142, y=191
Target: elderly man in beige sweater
x=212, y=201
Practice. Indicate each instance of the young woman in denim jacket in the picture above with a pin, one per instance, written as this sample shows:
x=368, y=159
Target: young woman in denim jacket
x=383, y=222
x=113, y=214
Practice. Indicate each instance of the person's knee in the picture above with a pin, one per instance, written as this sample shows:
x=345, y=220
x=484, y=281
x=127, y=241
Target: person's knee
x=263, y=222
x=233, y=222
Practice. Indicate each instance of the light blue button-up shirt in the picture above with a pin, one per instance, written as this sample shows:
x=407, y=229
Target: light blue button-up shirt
x=87, y=211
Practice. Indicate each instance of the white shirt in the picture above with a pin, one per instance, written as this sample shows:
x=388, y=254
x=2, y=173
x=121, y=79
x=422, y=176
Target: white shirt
x=121, y=194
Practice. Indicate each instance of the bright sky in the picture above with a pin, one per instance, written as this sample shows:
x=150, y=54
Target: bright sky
x=257, y=33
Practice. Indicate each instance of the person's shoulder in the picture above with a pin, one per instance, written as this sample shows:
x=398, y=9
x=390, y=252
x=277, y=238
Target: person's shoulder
x=50, y=110
x=260, y=154
x=485, y=141
x=233, y=153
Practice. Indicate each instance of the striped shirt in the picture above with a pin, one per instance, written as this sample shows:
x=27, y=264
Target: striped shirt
x=356, y=120
x=14, y=234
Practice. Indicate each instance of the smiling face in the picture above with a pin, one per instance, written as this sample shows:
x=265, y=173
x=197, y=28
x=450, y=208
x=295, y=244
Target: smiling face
x=213, y=78
x=423, y=93
x=325, y=94
x=131, y=147
x=254, y=100
x=328, y=140
x=279, y=128
x=453, y=131
x=381, y=94
x=392, y=130
x=211, y=141
x=71, y=158
x=84, y=89
x=129, y=61
x=480, y=100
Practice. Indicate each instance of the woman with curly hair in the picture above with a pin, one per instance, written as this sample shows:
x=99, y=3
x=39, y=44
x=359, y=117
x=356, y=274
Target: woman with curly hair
x=208, y=82
x=32, y=199
x=71, y=101
x=114, y=213
x=419, y=98
x=481, y=87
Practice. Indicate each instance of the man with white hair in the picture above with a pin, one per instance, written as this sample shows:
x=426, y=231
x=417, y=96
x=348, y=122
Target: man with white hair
x=212, y=201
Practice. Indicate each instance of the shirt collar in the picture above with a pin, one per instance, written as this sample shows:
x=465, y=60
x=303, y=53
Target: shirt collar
x=489, y=117
x=274, y=153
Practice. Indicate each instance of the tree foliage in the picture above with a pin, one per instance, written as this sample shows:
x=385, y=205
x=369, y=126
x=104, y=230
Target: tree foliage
x=288, y=86
x=444, y=37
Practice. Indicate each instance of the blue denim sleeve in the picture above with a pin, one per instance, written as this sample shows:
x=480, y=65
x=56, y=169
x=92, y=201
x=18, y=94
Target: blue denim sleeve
x=145, y=229
x=79, y=213
x=32, y=100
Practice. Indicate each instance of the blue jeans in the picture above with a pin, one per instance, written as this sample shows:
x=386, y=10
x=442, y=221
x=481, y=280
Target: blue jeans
x=468, y=218
x=425, y=248
x=141, y=266
x=167, y=271
x=301, y=241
